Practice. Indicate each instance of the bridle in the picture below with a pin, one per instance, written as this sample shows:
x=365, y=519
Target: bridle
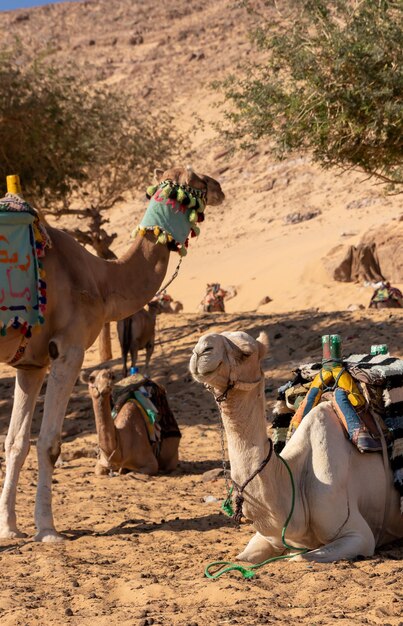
x=239, y=499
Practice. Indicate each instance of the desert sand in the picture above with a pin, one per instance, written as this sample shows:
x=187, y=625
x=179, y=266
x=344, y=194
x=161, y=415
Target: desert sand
x=136, y=546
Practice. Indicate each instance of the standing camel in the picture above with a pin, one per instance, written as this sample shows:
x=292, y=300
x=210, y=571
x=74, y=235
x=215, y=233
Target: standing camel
x=345, y=501
x=137, y=332
x=84, y=292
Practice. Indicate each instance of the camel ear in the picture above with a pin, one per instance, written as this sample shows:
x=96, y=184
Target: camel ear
x=84, y=377
x=158, y=174
x=263, y=341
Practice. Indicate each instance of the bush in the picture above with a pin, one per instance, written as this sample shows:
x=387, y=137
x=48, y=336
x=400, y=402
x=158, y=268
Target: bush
x=331, y=83
x=68, y=139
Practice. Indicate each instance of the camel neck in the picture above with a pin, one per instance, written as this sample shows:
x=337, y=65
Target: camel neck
x=106, y=432
x=132, y=281
x=245, y=426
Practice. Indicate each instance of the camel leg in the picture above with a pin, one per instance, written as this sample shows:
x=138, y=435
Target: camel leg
x=359, y=541
x=169, y=455
x=259, y=549
x=133, y=353
x=149, y=352
x=63, y=374
x=27, y=386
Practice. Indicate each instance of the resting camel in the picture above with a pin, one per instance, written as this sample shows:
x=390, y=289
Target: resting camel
x=167, y=304
x=345, y=502
x=124, y=443
x=84, y=292
x=137, y=332
x=213, y=301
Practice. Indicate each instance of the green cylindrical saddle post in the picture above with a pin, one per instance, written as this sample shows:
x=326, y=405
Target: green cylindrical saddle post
x=331, y=349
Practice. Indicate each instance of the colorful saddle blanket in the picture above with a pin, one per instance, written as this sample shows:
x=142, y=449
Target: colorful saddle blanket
x=379, y=379
x=22, y=245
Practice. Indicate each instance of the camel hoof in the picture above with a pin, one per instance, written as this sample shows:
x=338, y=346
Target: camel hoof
x=7, y=533
x=49, y=536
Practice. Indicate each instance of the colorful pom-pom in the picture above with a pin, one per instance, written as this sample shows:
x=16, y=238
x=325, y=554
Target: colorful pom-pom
x=180, y=195
x=150, y=191
x=165, y=191
x=193, y=216
x=183, y=251
x=196, y=231
x=192, y=202
x=156, y=230
x=162, y=238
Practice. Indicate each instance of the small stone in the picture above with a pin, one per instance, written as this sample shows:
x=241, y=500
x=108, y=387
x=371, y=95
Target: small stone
x=136, y=40
x=68, y=612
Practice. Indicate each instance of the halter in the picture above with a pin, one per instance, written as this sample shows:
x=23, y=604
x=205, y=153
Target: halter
x=239, y=499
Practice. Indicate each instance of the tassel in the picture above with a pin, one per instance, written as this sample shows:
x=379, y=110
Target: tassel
x=156, y=230
x=192, y=202
x=200, y=217
x=193, y=216
x=183, y=251
x=195, y=231
x=162, y=238
x=180, y=195
x=150, y=191
x=165, y=191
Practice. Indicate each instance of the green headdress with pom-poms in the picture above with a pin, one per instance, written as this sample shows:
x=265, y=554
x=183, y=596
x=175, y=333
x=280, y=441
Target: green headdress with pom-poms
x=172, y=214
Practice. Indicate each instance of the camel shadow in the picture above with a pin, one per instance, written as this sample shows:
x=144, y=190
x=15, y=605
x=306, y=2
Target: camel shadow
x=135, y=527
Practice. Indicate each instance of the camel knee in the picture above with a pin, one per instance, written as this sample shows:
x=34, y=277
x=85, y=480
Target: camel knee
x=17, y=447
x=50, y=452
x=101, y=470
x=258, y=549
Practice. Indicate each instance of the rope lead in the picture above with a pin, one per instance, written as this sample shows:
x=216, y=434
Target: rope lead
x=222, y=567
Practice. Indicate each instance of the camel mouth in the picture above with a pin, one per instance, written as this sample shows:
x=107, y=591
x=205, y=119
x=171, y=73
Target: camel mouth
x=201, y=371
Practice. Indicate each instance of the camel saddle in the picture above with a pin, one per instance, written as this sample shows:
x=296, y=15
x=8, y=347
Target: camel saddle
x=368, y=402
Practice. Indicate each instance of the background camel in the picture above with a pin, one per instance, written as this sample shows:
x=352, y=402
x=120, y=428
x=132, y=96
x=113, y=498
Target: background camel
x=345, y=501
x=83, y=292
x=137, y=332
x=215, y=295
x=124, y=442
x=167, y=304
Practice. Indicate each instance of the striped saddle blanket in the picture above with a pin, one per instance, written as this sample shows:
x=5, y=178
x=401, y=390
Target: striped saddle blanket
x=380, y=379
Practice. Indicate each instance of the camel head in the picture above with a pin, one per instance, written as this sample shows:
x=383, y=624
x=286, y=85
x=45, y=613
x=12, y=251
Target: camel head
x=186, y=176
x=221, y=358
x=100, y=382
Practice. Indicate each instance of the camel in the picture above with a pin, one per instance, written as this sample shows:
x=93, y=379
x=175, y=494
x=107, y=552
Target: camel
x=213, y=301
x=167, y=304
x=386, y=297
x=124, y=442
x=84, y=292
x=137, y=332
x=345, y=502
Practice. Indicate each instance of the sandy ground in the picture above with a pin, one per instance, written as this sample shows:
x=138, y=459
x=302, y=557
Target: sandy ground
x=136, y=547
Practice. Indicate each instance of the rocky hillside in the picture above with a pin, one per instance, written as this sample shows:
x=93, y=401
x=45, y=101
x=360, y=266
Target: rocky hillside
x=279, y=219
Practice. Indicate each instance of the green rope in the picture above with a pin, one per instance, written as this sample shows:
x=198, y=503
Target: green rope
x=249, y=572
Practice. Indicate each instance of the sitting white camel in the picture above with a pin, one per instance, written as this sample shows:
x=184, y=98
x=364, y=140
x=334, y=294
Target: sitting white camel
x=345, y=502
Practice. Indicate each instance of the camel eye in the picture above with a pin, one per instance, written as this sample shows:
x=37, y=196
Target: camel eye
x=92, y=379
